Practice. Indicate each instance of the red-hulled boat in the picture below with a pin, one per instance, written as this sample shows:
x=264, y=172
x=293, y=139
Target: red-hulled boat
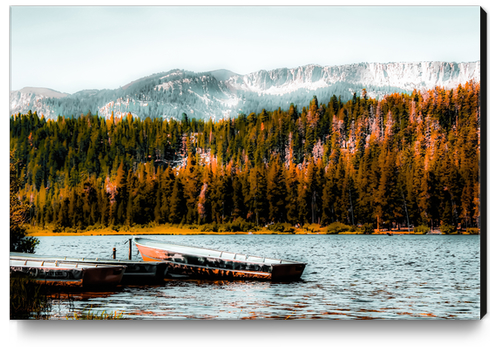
x=69, y=274
x=197, y=262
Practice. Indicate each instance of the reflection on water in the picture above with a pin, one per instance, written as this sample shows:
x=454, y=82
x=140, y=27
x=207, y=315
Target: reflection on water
x=347, y=277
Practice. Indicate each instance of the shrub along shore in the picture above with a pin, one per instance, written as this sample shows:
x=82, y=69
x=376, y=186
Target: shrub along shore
x=235, y=228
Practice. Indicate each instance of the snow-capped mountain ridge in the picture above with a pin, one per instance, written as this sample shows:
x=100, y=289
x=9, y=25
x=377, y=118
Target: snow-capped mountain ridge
x=401, y=75
x=223, y=93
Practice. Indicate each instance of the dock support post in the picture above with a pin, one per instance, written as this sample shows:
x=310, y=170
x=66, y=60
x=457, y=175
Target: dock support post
x=114, y=253
x=130, y=248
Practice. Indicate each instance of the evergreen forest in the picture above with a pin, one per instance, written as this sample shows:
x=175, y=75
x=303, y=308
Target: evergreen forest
x=406, y=159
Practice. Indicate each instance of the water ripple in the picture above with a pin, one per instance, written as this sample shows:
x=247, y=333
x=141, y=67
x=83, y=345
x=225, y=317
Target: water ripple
x=347, y=277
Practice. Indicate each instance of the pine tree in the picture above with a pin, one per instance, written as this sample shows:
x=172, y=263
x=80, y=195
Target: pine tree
x=176, y=203
x=239, y=210
x=276, y=191
x=291, y=195
x=19, y=242
x=191, y=180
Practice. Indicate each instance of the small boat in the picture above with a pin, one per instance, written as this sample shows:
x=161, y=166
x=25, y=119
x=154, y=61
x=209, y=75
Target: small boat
x=137, y=272
x=197, y=262
x=69, y=274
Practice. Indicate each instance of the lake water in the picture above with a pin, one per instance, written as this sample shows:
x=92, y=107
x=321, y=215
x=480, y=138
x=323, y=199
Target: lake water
x=347, y=277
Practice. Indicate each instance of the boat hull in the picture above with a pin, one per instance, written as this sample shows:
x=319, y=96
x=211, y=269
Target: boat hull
x=211, y=267
x=103, y=277
x=182, y=270
x=145, y=274
x=136, y=272
x=68, y=275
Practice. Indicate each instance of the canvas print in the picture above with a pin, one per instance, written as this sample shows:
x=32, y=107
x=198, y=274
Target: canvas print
x=246, y=162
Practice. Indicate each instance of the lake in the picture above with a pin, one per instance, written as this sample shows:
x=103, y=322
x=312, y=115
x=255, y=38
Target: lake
x=347, y=277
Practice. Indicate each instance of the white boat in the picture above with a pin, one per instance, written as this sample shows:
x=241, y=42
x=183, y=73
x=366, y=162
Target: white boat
x=197, y=262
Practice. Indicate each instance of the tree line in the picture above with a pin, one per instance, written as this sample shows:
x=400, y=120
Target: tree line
x=406, y=159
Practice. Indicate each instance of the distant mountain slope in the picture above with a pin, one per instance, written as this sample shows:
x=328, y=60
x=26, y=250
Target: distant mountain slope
x=31, y=98
x=46, y=92
x=222, y=93
x=223, y=75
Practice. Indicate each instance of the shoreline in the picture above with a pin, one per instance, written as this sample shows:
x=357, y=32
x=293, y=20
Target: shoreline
x=161, y=232
x=38, y=232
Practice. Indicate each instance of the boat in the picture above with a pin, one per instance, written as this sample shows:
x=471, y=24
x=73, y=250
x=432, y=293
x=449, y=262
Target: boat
x=68, y=274
x=137, y=272
x=196, y=262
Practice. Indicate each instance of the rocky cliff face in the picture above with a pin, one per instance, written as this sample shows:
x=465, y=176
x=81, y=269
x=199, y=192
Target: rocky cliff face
x=400, y=75
x=222, y=93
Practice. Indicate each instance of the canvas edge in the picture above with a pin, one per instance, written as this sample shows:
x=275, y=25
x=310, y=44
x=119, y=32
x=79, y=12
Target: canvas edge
x=483, y=169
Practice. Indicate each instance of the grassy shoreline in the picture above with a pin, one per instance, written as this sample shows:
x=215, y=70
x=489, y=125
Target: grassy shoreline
x=159, y=230
x=36, y=231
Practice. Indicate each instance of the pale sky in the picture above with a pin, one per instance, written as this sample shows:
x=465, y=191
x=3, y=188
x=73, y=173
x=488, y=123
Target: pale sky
x=73, y=48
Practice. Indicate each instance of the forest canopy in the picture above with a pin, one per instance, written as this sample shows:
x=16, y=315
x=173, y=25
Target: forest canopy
x=407, y=159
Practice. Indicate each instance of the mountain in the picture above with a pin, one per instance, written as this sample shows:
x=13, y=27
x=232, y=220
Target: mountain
x=222, y=75
x=30, y=98
x=222, y=93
